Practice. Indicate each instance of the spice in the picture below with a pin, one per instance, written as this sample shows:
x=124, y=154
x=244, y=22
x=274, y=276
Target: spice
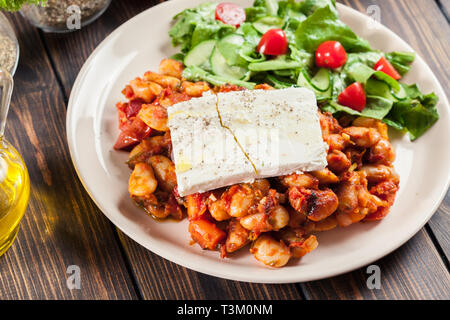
x=8, y=53
x=55, y=14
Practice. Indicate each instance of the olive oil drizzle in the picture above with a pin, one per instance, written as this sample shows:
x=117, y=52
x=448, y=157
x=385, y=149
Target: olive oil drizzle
x=232, y=133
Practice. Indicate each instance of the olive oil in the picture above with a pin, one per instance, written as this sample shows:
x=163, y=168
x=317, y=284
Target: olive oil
x=14, y=179
x=14, y=193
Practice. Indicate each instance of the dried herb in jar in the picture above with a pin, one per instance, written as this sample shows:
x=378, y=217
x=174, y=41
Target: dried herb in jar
x=55, y=13
x=8, y=53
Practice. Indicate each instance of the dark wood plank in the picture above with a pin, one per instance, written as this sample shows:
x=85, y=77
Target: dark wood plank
x=70, y=51
x=440, y=226
x=160, y=279
x=416, y=270
x=62, y=226
x=157, y=278
x=444, y=5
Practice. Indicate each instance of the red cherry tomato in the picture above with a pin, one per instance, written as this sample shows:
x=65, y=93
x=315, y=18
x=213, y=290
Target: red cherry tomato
x=230, y=13
x=273, y=42
x=132, y=132
x=353, y=97
x=385, y=66
x=331, y=54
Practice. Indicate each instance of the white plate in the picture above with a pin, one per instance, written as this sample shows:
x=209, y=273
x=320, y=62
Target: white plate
x=139, y=45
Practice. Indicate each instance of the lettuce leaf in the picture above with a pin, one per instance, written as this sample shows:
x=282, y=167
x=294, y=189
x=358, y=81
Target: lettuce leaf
x=415, y=114
x=197, y=74
x=14, y=5
x=376, y=107
x=196, y=25
x=307, y=24
x=308, y=7
x=324, y=25
x=261, y=9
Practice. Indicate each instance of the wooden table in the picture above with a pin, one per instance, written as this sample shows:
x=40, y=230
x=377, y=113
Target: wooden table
x=63, y=227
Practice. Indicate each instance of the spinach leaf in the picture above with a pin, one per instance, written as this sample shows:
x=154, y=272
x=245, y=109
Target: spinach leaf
x=401, y=60
x=324, y=25
x=361, y=73
x=376, y=107
x=275, y=64
x=415, y=115
x=369, y=58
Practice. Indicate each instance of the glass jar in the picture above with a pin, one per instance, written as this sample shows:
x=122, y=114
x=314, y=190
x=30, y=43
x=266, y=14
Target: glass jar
x=9, y=47
x=14, y=179
x=64, y=15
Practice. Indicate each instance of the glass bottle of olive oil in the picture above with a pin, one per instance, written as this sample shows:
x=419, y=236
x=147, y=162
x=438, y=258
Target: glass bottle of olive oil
x=14, y=179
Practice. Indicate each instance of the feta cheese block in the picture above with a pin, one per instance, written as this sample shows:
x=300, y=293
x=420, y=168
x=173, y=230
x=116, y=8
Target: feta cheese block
x=227, y=138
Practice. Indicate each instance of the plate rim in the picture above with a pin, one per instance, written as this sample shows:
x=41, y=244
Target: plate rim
x=223, y=273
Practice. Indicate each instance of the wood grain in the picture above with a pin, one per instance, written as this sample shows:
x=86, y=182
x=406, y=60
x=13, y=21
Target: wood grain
x=158, y=278
x=444, y=5
x=70, y=228
x=62, y=226
x=416, y=270
x=177, y=282
x=440, y=226
x=69, y=51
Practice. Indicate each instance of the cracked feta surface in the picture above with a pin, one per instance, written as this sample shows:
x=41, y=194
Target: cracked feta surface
x=227, y=138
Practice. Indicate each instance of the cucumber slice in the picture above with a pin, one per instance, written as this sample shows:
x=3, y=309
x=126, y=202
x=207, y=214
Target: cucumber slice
x=399, y=94
x=324, y=96
x=279, y=84
x=321, y=82
x=220, y=67
x=302, y=80
x=229, y=47
x=265, y=24
x=198, y=74
x=275, y=64
x=200, y=54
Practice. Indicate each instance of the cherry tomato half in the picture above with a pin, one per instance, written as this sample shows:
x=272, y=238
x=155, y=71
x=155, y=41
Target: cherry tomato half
x=133, y=131
x=385, y=66
x=273, y=43
x=331, y=54
x=353, y=97
x=230, y=13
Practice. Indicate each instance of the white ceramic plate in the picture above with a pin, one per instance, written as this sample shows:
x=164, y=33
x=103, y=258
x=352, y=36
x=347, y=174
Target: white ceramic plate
x=139, y=45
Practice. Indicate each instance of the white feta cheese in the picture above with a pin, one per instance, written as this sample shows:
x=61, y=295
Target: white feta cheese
x=228, y=138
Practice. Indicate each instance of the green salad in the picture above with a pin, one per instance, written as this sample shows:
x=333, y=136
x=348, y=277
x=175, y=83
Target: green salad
x=234, y=53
